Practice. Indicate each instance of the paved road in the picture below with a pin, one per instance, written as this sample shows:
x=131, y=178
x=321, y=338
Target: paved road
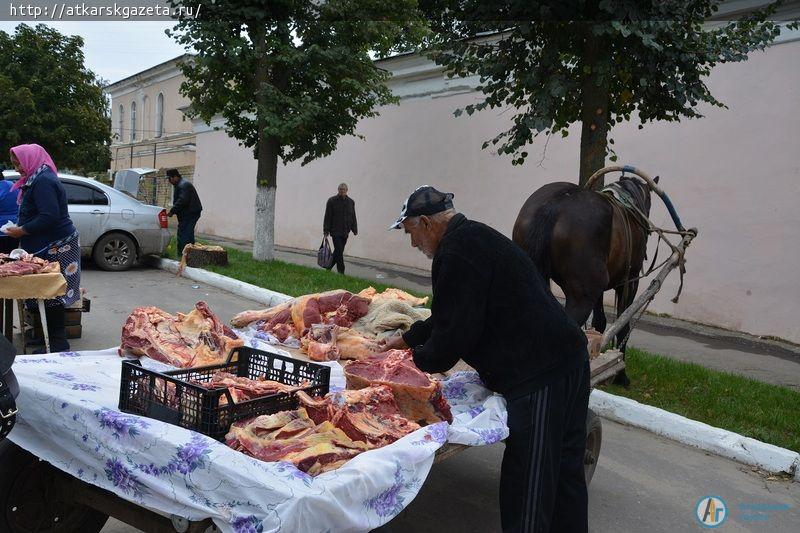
x=643, y=482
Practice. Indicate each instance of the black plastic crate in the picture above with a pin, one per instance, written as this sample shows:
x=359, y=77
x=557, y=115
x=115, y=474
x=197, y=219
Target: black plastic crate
x=170, y=397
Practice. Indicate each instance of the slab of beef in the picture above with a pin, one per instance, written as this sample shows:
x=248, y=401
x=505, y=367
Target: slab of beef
x=279, y=314
x=418, y=396
x=243, y=389
x=295, y=317
x=369, y=414
x=390, y=294
x=28, y=264
x=338, y=307
x=293, y=437
x=329, y=342
x=186, y=340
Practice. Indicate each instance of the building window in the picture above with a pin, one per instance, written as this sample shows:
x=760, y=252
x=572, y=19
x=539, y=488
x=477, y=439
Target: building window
x=133, y=121
x=160, y=115
x=146, y=118
x=121, y=122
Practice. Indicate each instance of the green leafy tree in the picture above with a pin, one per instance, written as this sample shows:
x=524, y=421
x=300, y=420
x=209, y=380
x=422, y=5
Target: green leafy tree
x=49, y=97
x=597, y=62
x=290, y=77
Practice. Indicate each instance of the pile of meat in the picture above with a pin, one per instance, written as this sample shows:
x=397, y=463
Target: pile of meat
x=27, y=264
x=243, y=389
x=337, y=324
x=324, y=433
x=195, y=339
x=387, y=398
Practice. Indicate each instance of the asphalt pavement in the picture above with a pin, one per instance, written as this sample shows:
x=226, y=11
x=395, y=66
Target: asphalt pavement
x=642, y=483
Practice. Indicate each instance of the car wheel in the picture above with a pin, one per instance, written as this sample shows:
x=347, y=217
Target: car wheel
x=594, y=439
x=115, y=251
x=31, y=502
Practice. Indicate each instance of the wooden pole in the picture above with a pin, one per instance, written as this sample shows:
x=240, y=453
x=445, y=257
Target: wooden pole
x=675, y=260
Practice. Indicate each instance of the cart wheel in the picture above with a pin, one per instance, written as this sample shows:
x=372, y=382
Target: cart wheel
x=594, y=439
x=30, y=497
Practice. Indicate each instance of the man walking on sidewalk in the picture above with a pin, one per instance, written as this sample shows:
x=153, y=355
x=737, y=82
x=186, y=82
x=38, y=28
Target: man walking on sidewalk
x=186, y=205
x=340, y=220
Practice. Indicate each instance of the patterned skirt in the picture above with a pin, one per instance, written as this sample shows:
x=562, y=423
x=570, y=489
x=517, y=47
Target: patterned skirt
x=67, y=252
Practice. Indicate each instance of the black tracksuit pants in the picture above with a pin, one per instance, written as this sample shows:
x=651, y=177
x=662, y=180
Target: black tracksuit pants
x=339, y=242
x=542, y=482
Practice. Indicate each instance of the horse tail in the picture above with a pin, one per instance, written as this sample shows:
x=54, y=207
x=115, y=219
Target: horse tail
x=539, y=238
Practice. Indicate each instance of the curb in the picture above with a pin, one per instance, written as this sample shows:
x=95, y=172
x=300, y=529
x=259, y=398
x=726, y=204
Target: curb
x=239, y=288
x=746, y=450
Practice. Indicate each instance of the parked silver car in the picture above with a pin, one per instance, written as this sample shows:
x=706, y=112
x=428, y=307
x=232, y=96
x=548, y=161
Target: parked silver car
x=115, y=229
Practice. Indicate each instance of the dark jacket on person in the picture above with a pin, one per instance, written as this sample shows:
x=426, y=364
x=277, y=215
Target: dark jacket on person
x=9, y=210
x=185, y=201
x=43, y=212
x=340, y=216
x=492, y=308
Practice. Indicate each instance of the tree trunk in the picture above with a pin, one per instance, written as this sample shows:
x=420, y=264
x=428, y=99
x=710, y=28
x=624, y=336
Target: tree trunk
x=266, y=184
x=267, y=151
x=594, y=109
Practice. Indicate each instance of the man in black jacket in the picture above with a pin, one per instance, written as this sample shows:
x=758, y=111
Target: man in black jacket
x=492, y=309
x=186, y=205
x=340, y=220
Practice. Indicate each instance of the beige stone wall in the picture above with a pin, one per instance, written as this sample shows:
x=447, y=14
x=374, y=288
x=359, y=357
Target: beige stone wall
x=733, y=174
x=174, y=147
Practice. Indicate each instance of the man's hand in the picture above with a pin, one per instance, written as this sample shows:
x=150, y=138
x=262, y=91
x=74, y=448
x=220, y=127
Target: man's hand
x=395, y=342
x=170, y=214
x=16, y=232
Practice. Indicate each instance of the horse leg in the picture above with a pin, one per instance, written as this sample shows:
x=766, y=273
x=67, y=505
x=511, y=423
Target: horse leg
x=599, y=321
x=624, y=300
x=578, y=308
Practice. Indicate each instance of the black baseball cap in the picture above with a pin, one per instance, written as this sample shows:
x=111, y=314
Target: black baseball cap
x=424, y=201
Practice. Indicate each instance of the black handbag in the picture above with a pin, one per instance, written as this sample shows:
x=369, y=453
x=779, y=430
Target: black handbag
x=9, y=389
x=324, y=254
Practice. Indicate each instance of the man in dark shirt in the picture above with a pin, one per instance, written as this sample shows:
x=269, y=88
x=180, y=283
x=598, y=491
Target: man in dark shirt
x=492, y=309
x=340, y=220
x=186, y=205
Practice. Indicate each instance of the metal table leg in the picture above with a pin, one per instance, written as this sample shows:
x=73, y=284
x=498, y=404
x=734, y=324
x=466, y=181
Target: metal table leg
x=21, y=314
x=44, y=326
x=8, y=318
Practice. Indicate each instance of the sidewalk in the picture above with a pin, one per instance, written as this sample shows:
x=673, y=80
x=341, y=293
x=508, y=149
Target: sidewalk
x=770, y=361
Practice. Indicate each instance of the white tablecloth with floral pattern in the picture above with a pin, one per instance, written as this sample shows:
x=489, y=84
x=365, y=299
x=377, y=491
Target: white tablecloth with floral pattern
x=68, y=417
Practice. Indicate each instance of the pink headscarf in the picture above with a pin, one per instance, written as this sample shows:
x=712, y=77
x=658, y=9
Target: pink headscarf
x=30, y=157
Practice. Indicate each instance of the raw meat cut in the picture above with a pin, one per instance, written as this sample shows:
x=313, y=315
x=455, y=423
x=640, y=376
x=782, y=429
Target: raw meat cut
x=353, y=344
x=280, y=313
x=27, y=264
x=338, y=307
x=320, y=343
x=392, y=294
x=194, y=339
x=329, y=342
x=293, y=437
x=389, y=315
x=243, y=389
x=417, y=395
x=370, y=414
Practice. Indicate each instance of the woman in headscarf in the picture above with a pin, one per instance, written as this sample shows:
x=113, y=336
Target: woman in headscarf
x=45, y=230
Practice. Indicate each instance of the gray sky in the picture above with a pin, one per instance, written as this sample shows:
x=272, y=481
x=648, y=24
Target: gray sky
x=116, y=50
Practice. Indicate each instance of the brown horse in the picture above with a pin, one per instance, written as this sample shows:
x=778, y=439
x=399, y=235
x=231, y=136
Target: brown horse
x=587, y=244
